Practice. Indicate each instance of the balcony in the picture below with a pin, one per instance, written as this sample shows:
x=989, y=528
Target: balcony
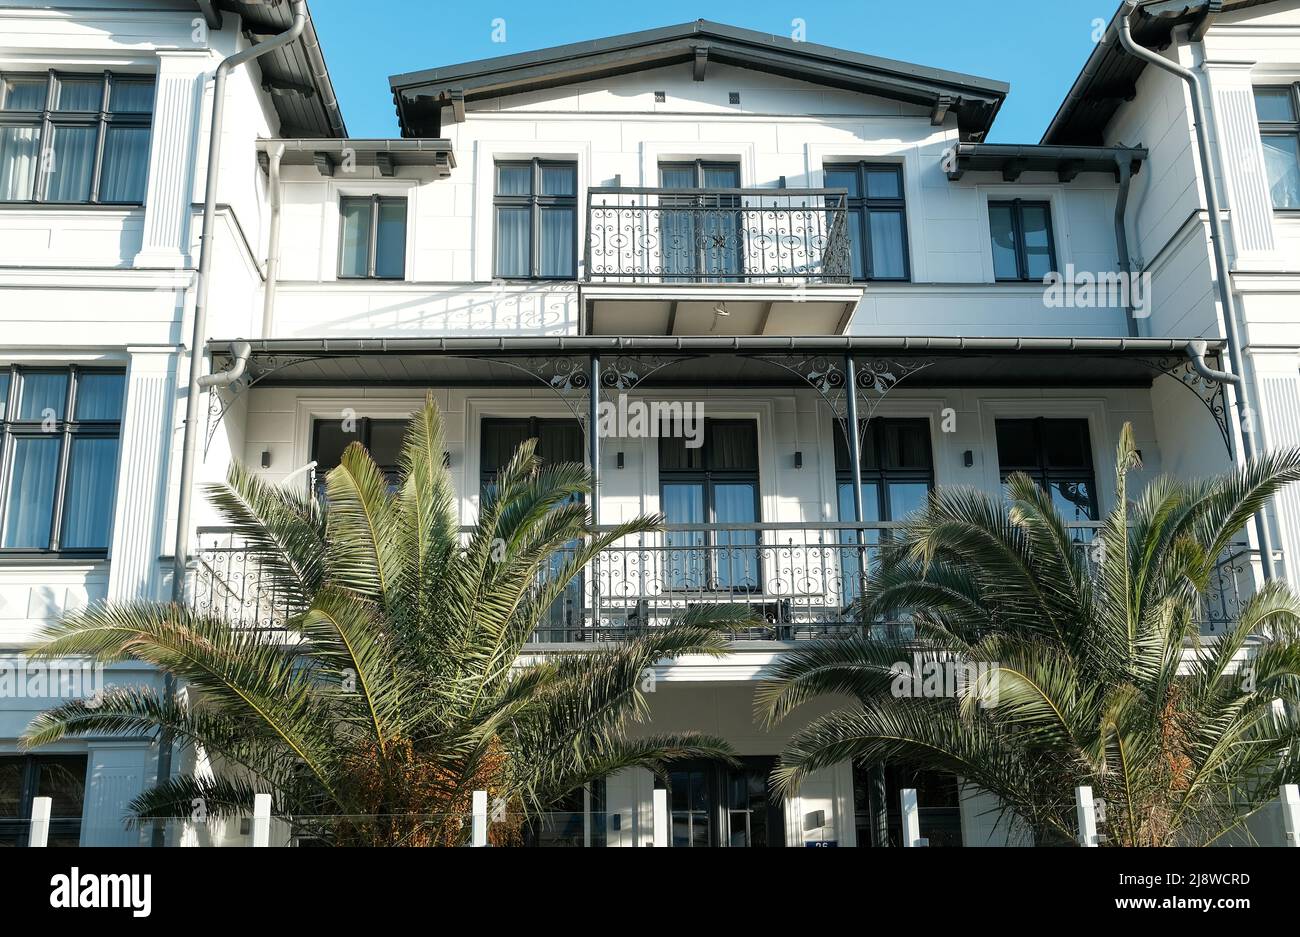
x=799, y=580
x=718, y=261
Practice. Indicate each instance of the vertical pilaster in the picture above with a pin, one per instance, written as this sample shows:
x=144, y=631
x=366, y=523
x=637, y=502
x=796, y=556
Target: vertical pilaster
x=173, y=152
x=1240, y=154
x=138, y=518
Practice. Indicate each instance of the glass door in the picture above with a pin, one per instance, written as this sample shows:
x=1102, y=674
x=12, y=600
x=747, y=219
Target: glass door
x=700, y=234
x=713, y=804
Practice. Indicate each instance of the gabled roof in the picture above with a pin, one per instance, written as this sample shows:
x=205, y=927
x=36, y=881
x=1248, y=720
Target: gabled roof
x=295, y=76
x=420, y=96
x=1109, y=77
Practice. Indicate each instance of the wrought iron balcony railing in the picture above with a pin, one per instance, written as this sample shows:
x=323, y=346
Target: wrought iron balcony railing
x=801, y=581
x=745, y=236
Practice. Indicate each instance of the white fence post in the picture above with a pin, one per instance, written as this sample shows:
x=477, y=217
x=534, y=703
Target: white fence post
x=39, y=834
x=1087, y=815
x=1291, y=813
x=480, y=819
x=660, y=817
x=261, y=821
x=911, y=817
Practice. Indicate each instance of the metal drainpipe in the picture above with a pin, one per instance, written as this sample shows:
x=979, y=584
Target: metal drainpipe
x=273, y=240
x=196, y=381
x=1125, y=170
x=1223, y=270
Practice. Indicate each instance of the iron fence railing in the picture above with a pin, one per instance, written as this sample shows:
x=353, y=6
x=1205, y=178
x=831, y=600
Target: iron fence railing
x=746, y=236
x=800, y=581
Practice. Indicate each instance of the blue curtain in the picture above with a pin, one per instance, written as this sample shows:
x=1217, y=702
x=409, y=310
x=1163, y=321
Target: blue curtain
x=99, y=396
x=30, y=508
x=558, y=242
x=514, y=242
x=390, y=251
x=20, y=151
x=73, y=167
x=41, y=392
x=88, y=502
x=126, y=163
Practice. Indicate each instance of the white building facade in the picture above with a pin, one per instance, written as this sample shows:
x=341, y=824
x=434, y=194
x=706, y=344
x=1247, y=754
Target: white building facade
x=784, y=240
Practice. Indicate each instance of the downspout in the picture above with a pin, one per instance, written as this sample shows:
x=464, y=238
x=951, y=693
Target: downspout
x=1125, y=170
x=196, y=380
x=273, y=240
x=1240, y=387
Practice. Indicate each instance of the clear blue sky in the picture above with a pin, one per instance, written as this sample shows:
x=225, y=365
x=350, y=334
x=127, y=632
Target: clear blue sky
x=1037, y=46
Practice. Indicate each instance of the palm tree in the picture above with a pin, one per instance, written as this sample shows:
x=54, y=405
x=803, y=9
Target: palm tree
x=1096, y=672
x=395, y=688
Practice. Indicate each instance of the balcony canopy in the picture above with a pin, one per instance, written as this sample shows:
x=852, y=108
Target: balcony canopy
x=711, y=361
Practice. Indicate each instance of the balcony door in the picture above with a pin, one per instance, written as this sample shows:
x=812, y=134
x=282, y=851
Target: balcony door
x=712, y=804
x=700, y=232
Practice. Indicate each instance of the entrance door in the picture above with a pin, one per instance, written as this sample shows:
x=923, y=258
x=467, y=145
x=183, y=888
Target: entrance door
x=713, y=804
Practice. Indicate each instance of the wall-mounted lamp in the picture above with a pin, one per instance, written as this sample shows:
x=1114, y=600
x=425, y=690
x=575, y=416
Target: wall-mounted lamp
x=814, y=820
x=266, y=458
x=620, y=460
x=798, y=460
x=968, y=458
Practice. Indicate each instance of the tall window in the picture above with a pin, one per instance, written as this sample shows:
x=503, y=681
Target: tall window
x=75, y=139
x=897, y=475
x=1278, y=110
x=59, y=467
x=1023, y=245
x=700, y=233
x=877, y=218
x=536, y=207
x=62, y=778
x=716, y=483
x=372, y=243
x=1057, y=454
x=557, y=441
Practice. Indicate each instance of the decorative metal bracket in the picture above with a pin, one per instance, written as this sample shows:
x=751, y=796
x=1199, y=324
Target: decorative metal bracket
x=567, y=375
x=220, y=401
x=1210, y=393
x=875, y=378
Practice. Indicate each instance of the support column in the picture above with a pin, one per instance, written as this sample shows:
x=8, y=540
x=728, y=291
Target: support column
x=593, y=450
x=140, y=511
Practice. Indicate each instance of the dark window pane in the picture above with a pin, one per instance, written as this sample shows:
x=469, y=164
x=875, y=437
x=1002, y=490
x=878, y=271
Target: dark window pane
x=24, y=94
x=390, y=252
x=675, y=455
x=1065, y=444
x=62, y=778
x=559, y=441
x=558, y=244
x=77, y=94
x=354, y=260
x=385, y=442
x=331, y=440
x=1002, y=232
x=1036, y=223
x=514, y=240
x=1017, y=445
x=11, y=787
x=732, y=445
x=888, y=249
x=99, y=396
x=131, y=97
x=4, y=392
x=514, y=179
x=500, y=440
x=1275, y=104
x=44, y=395
x=559, y=180
x=72, y=164
x=88, y=502
x=29, y=509
x=1282, y=162
x=842, y=179
x=20, y=153
x=883, y=183
x=907, y=445
x=126, y=165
